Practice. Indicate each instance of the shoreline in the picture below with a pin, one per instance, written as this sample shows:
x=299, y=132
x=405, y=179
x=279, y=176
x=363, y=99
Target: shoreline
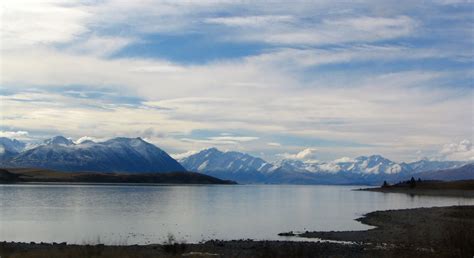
x=211, y=248
x=444, y=230
x=422, y=232
x=425, y=192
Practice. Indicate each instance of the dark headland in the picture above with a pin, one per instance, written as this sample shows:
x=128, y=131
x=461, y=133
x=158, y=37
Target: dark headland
x=29, y=175
x=462, y=188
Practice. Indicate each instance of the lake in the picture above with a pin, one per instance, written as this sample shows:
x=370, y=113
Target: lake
x=139, y=214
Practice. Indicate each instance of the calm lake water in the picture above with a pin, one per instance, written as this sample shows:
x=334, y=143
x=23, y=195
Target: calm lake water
x=131, y=214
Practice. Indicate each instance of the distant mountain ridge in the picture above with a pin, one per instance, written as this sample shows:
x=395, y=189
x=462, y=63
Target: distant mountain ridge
x=229, y=162
x=10, y=147
x=241, y=166
x=361, y=170
x=374, y=164
x=465, y=172
x=134, y=155
x=130, y=155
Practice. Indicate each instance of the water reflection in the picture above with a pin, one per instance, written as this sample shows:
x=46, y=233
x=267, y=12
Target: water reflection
x=130, y=214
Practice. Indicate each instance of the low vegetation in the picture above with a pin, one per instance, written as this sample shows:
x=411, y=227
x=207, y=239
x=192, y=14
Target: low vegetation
x=18, y=175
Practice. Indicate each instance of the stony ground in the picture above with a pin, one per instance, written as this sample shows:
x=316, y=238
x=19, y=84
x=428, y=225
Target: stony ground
x=239, y=248
x=448, y=231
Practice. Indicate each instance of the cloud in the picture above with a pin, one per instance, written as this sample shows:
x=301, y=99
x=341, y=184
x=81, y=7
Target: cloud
x=303, y=58
x=275, y=144
x=342, y=72
x=19, y=135
x=333, y=114
x=333, y=31
x=398, y=25
x=329, y=167
x=458, y=151
x=208, y=142
x=234, y=138
x=343, y=160
x=221, y=140
x=32, y=22
x=159, y=69
x=100, y=45
x=183, y=155
x=308, y=154
x=253, y=21
x=86, y=138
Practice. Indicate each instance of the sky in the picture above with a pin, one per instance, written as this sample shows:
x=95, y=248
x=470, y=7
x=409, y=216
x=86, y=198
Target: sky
x=315, y=80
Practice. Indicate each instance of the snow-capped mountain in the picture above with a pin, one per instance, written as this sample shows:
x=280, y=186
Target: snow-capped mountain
x=308, y=167
x=464, y=172
x=59, y=140
x=134, y=155
x=364, y=169
x=229, y=162
x=228, y=165
x=374, y=164
x=296, y=166
x=11, y=145
x=430, y=165
x=130, y=155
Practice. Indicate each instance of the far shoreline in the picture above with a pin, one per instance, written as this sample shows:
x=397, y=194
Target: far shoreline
x=35, y=175
x=462, y=188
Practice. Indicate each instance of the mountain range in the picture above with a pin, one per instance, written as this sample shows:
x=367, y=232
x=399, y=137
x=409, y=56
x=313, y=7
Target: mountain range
x=135, y=155
x=361, y=170
x=10, y=147
x=127, y=155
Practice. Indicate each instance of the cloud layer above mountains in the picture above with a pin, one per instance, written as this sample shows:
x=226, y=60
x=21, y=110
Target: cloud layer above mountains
x=268, y=78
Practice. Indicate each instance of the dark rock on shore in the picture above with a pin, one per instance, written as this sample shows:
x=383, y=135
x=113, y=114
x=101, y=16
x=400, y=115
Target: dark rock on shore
x=447, y=231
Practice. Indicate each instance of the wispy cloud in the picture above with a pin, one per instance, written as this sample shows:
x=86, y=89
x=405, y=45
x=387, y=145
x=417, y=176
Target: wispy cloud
x=100, y=45
x=221, y=140
x=250, y=21
x=234, y=138
x=336, y=31
x=275, y=144
x=384, y=75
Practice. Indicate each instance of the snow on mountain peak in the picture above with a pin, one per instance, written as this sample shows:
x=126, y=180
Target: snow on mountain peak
x=11, y=145
x=212, y=159
x=59, y=140
x=134, y=155
x=131, y=155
